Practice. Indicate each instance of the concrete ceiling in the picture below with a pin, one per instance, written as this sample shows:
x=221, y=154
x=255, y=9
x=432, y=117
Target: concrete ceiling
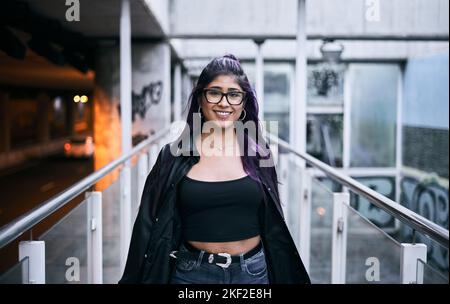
x=100, y=18
x=35, y=71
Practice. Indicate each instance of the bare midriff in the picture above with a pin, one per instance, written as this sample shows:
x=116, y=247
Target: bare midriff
x=233, y=248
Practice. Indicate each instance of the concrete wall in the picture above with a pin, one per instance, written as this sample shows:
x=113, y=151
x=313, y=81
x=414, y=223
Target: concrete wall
x=324, y=17
x=396, y=17
x=232, y=17
x=151, y=87
x=160, y=10
x=286, y=49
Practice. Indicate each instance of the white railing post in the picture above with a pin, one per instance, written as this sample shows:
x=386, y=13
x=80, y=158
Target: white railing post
x=283, y=177
x=94, y=238
x=125, y=214
x=409, y=271
x=35, y=251
x=152, y=155
x=142, y=176
x=339, y=238
x=305, y=217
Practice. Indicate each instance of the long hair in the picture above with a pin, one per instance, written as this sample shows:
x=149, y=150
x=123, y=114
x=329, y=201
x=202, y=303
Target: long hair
x=231, y=66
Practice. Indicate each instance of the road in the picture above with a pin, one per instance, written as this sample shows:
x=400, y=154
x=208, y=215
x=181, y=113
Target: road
x=25, y=187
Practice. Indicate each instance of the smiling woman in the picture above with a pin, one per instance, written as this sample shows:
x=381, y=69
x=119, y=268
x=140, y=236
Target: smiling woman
x=216, y=107
x=222, y=220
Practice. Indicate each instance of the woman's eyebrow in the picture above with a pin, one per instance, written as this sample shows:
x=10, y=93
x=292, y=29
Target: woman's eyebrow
x=220, y=88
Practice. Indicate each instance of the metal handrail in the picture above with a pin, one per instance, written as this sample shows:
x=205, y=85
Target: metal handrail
x=13, y=230
x=416, y=221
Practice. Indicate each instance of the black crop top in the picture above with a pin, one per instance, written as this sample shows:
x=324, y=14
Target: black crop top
x=219, y=211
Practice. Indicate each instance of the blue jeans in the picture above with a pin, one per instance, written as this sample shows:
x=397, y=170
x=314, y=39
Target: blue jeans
x=252, y=270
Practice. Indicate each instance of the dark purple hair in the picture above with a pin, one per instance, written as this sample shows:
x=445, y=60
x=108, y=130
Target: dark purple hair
x=231, y=66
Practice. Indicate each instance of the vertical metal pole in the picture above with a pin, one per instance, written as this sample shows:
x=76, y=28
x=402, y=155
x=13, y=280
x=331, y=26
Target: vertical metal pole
x=339, y=238
x=347, y=122
x=125, y=214
x=142, y=175
x=35, y=251
x=177, y=93
x=125, y=106
x=259, y=79
x=95, y=238
x=152, y=156
x=298, y=103
x=399, y=143
x=410, y=254
x=305, y=217
x=283, y=176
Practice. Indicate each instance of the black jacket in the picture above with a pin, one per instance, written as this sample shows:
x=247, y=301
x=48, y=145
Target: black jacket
x=157, y=229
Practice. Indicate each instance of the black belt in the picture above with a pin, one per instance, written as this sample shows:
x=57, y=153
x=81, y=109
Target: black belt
x=221, y=259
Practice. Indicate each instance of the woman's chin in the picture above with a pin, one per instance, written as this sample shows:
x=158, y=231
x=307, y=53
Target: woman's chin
x=224, y=124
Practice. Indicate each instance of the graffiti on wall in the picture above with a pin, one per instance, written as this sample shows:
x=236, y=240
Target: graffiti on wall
x=143, y=101
x=425, y=197
x=429, y=199
x=383, y=185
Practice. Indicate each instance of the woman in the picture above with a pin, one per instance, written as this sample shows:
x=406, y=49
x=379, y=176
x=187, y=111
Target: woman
x=212, y=214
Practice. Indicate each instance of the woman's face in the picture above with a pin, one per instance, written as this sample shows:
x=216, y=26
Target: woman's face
x=223, y=113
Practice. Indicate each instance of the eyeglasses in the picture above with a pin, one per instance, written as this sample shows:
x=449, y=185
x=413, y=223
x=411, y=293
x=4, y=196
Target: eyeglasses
x=215, y=96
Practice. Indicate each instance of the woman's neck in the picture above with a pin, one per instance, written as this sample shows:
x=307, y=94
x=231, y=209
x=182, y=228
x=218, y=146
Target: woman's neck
x=219, y=141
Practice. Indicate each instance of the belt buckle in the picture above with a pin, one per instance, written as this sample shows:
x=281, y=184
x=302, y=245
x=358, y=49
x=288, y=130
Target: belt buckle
x=228, y=256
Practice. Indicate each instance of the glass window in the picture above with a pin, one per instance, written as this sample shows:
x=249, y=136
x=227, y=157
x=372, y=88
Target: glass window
x=325, y=84
x=373, y=102
x=324, y=138
x=278, y=79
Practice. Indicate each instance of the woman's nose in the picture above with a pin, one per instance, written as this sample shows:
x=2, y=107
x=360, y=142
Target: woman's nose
x=223, y=102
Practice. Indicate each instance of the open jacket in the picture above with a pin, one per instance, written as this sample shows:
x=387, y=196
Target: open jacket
x=157, y=229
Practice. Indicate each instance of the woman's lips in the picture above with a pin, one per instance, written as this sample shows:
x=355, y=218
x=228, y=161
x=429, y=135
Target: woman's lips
x=223, y=115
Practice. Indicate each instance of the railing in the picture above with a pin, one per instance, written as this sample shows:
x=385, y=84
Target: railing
x=337, y=243
x=72, y=250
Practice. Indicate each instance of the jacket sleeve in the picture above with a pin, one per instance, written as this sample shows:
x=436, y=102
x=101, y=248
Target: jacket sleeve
x=142, y=226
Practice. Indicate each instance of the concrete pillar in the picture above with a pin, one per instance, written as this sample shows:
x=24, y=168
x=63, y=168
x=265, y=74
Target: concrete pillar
x=107, y=135
x=186, y=91
x=167, y=81
x=125, y=77
x=177, y=93
x=5, y=129
x=43, y=117
x=297, y=124
x=259, y=79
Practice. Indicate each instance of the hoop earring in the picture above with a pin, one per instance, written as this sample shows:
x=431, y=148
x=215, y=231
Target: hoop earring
x=199, y=112
x=245, y=114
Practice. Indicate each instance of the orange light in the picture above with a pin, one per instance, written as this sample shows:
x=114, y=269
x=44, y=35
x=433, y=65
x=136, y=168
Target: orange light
x=321, y=211
x=67, y=146
x=76, y=98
